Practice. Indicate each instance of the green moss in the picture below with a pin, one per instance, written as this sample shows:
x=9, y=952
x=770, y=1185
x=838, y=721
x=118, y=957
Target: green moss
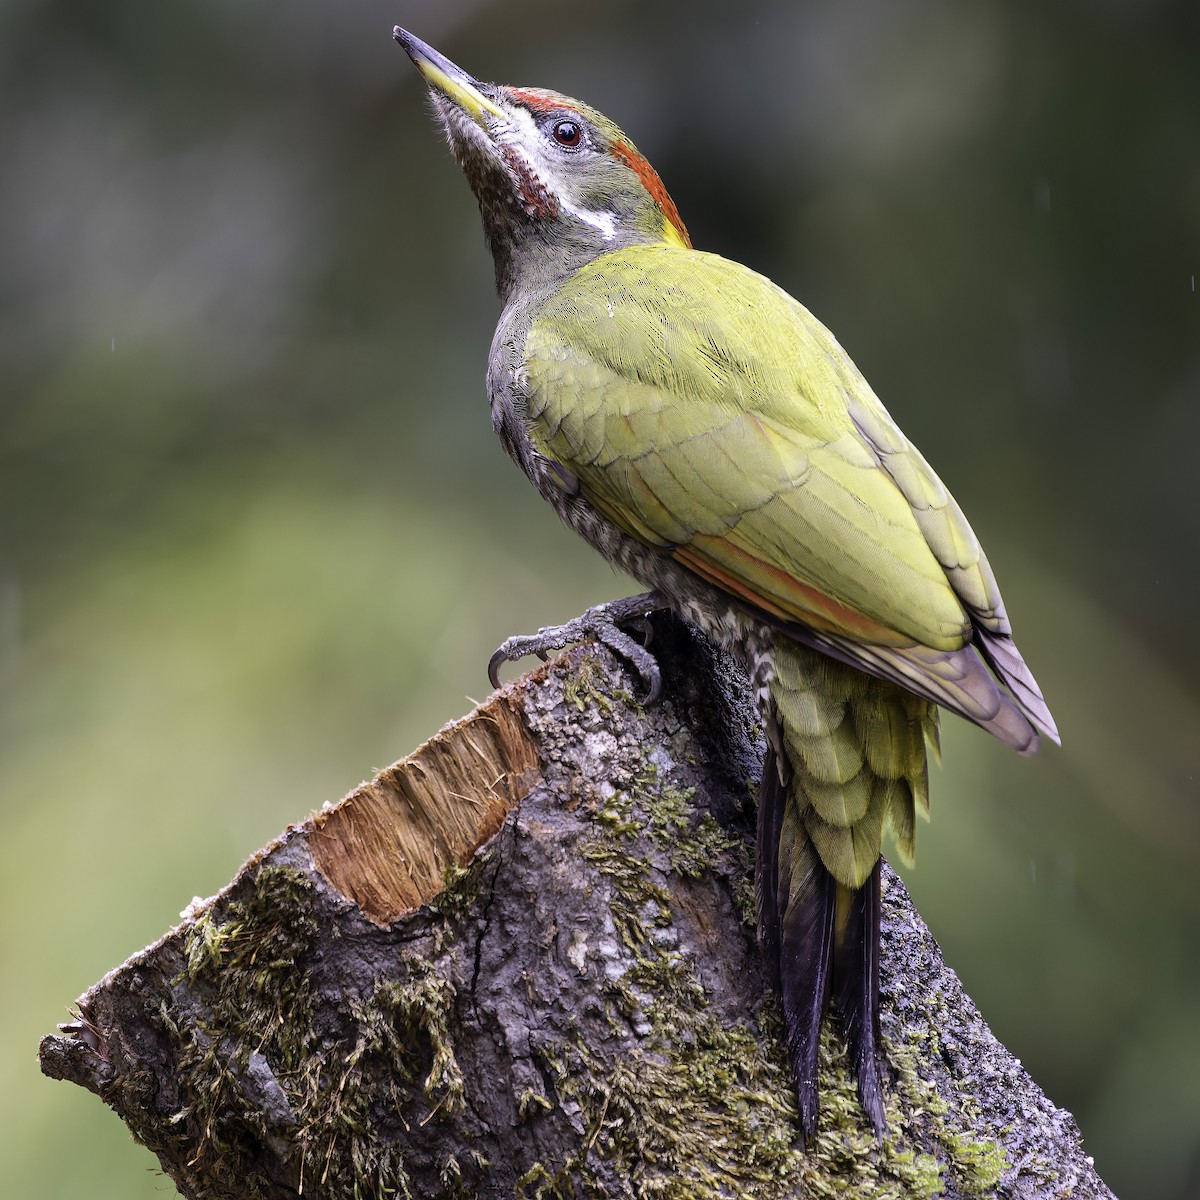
x=424, y=1005
x=699, y=1108
x=693, y=841
x=539, y=1184
x=530, y=1101
x=975, y=1165
x=248, y=967
x=745, y=900
x=696, y=1108
x=460, y=887
x=587, y=684
x=674, y=1125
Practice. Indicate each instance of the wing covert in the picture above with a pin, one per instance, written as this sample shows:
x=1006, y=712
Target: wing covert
x=740, y=458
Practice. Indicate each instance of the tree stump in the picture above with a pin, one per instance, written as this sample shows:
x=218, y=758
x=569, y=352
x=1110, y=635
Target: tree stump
x=522, y=962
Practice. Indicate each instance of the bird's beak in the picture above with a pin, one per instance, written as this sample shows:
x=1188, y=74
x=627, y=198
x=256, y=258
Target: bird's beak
x=452, y=82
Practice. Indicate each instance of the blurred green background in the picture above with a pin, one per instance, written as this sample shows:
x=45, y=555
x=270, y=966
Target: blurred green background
x=257, y=540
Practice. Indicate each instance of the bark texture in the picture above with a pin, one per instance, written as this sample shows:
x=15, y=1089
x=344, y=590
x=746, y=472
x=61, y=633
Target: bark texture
x=522, y=962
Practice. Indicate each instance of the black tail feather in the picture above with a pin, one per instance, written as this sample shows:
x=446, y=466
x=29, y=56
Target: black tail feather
x=796, y=913
x=771, y=803
x=805, y=958
x=856, y=988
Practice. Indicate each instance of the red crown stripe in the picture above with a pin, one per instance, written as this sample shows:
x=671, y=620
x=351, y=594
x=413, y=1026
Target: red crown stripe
x=535, y=101
x=651, y=182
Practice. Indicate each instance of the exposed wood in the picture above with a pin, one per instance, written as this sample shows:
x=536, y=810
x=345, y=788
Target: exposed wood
x=387, y=845
x=521, y=962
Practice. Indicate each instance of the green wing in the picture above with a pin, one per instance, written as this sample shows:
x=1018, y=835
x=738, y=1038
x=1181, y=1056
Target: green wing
x=708, y=414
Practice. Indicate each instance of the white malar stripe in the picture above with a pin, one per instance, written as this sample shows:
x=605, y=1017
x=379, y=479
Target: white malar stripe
x=606, y=223
x=523, y=131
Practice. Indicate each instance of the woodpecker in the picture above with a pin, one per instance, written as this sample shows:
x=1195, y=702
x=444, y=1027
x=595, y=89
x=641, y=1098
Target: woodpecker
x=709, y=436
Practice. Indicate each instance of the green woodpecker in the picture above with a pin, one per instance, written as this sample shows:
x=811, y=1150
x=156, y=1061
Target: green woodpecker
x=708, y=435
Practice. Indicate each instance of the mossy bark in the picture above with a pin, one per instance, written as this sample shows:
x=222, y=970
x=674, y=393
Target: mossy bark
x=521, y=962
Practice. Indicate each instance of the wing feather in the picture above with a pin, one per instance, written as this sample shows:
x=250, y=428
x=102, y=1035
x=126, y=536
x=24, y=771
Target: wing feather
x=744, y=442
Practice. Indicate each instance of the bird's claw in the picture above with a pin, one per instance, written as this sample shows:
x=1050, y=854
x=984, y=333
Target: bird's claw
x=644, y=627
x=601, y=623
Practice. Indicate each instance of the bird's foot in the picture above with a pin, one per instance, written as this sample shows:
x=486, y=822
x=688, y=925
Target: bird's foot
x=602, y=623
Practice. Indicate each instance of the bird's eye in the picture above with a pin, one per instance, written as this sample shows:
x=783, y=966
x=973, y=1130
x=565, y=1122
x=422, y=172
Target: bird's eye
x=568, y=133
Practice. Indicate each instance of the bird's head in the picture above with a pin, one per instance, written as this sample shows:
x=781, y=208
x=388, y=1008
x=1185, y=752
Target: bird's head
x=557, y=182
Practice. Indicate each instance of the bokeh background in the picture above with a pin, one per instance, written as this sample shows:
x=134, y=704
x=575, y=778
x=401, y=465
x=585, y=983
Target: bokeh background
x=256, y=538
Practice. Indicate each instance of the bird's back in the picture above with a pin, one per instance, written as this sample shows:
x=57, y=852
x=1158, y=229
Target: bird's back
x=710, y=416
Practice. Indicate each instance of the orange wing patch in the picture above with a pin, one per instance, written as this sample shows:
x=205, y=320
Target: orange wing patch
x=788, y=599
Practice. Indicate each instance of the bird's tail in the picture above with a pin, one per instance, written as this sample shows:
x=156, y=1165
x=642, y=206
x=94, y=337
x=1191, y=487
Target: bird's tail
x=846, y=755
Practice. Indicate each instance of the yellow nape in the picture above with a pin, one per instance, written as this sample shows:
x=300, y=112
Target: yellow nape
x=672, y=236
